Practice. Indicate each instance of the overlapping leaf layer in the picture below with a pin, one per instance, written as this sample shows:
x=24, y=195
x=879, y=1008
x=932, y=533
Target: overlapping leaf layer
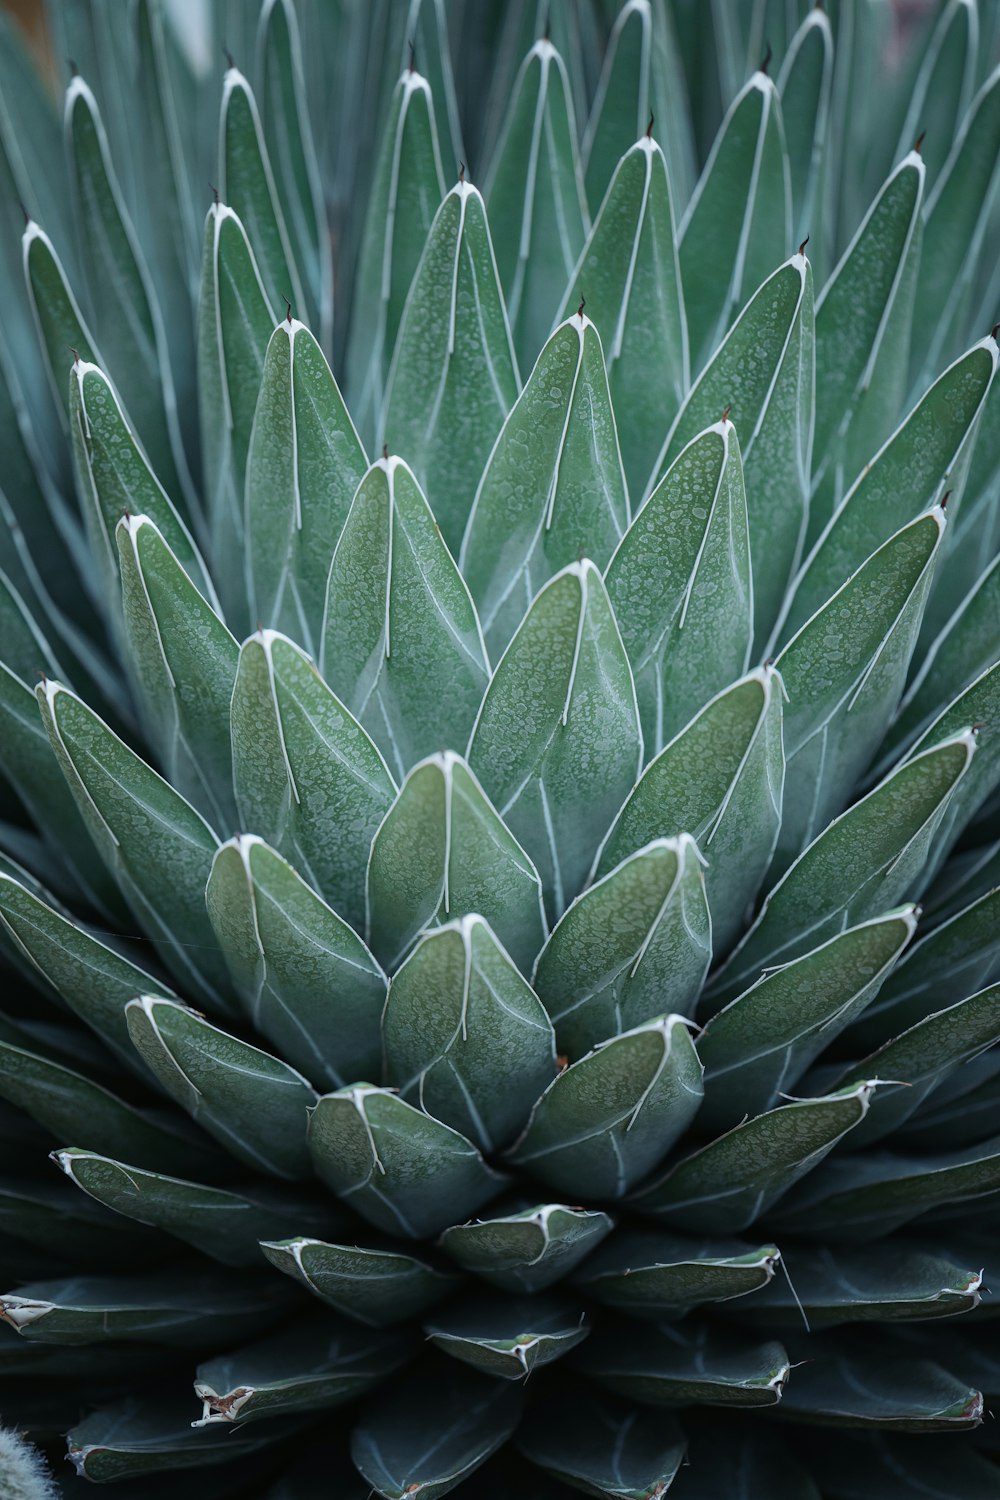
x=500, y=750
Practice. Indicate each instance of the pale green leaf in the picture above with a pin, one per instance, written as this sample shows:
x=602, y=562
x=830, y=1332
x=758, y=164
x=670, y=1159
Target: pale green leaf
x=805, y=87
x=621, y=101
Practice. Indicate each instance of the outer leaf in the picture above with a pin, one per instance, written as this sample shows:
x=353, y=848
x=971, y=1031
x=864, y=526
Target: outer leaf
x=455, y=1007
x=453, y=377
x=307, y=776
x=876, y=1465
x=138, y=1441
x=866, y=860
x=637, y=939
x=737, y=226
x=631, y=276
x=611, y=1117
x=247, y=182
x=844, y=672
x=926, y=457
x=535, y=196
x=58, y=319
x=763, y=375
x=720, y=779
x=680, y=585
x=554, y=487
x=805, y=87
x=442, y=852
x=726, y=1185
x=235, y=322
x=863, y=320
x=306, y=980
x=908, y=1395
x=506, y=1336
x=252, y=1103
x=430, y=1434
x=184, y=661
x=763, y=1041
x=121, y=293
x=407, y=187
x=304, y=463
x=945, y=82
x=402, y=645
x=557, y=743
x=302, y=1368
x=603, y=1447
x=646, y=1272
x=618, y=113
x=378, y=1287
x=751, y=1465
x=157, y=847
x=530, y=1250
x=225, y=1225
x=402, y=1170
x=677, y=1365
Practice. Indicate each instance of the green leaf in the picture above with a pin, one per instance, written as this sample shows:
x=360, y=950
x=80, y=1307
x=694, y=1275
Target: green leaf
x=156, y=846
x=738, y=224
x=629, y=272
x=58, y=318
x=762, y=376
x=529, y=1250
x=307, y=777
x=407, y=186
x=428, y=1434
x=49, y=1216
x=926, y=458
x=247, y=182
x=884, y=1466
x=956, y=958
x=621, y=102
x=865, y=861
x=557, y=743
x=226, y=1225
x=944, y=82
x=184, y=663
x=750, y=1465
x=252, y=1103
x=507, y=1337
x=303, y=976
x=894, y=1394
x=67, y=1104
x=402, y=647
x=764, y=1040
x=675, y=1365
x=304, y=463
x=307, y=1367
x=443, y=852
x=534, y=192
x=879, y=1283
x=915, y=1062
x=121, y=293
x=92, y=979
x=378, y=1287
x=133, y=1440
x=844, y=672
x=453, y=377
x=725, y=1186
x=636, y=940
x=609, y=1119
x=186, y=1309
x=805, y=86
x=602, y=1447
x=958, y=216
x=455, y=1007
x=553, y=489
x=291, y=148
x=114, y=478
x=403, y=1171
x=235, y=323
x=863, y=319
x=866, y=1196
x=720, y=781
x=680, y=585
x=646, y=1272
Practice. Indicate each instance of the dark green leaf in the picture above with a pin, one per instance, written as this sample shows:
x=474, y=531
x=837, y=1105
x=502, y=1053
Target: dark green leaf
x=508, y=1337
x=618, y=113
x=374, y=1286
x=603, y=1447
x=530, y=1250
x=883, y=1466
x=905, y=1395
x=134, y=1440
x=677, y=1364
x=647, y=1272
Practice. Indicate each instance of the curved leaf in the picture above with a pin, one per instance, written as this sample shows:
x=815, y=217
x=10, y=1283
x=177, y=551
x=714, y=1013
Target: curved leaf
x=379, y=1287
x=508, y=1337
x=530, y=1250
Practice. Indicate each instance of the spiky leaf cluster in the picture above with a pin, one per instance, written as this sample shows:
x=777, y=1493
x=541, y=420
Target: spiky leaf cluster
x=500, y=748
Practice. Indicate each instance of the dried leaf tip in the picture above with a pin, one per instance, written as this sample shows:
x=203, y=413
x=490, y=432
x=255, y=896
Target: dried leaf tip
x=649, y=127
x=228, y=56
x=802, y=247
x=725, y=414
x=461, y=171
x=994, y=331
x=413, y=55
x=215, y=194
x=943, y=502
x=74, y=71
x=579, y=311
x=76, y=357
x=385, y=450
x=27, y=216
x=547, y=33
x=766, y=60
x=919, y=142
x=288, y=305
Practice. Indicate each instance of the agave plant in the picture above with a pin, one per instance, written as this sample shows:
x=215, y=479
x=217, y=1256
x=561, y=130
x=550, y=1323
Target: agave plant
x=524, y=903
